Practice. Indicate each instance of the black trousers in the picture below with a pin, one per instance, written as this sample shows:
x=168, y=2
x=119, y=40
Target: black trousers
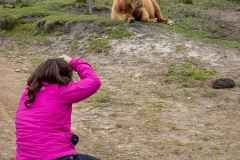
x=78, y=157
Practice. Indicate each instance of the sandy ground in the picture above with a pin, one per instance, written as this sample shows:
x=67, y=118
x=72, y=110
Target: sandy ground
x=135, y=114
x=12, y=84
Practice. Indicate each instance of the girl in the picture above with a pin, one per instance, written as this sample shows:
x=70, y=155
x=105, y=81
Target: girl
x=43, y=118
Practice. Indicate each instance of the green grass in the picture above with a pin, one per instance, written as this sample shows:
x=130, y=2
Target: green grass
x=46, y=11
x=118, y=125
x=99, y=45
x=101, y=99
x=153, y=125
x=189, y=74
x=117, y=33
x=190, y=22
x=50, y=14
x=43, y=18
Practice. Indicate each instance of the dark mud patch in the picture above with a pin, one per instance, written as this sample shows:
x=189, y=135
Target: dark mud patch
x=105, y=12
x=8, y=22
x=83, y=28
x=30, y=19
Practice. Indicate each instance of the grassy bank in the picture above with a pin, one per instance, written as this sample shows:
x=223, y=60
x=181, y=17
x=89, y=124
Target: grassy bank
x=33, y=18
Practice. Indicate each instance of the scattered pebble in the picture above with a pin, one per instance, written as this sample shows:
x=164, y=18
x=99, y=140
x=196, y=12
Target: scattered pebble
x=17, y=70
x=209, y=106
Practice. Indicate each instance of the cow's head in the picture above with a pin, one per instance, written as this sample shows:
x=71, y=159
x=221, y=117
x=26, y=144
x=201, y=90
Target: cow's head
x=136, y=4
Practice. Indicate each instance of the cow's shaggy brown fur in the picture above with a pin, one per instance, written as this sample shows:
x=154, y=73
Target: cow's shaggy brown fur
x=140, y=10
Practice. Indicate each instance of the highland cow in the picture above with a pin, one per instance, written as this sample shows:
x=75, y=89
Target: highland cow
x=138, y=10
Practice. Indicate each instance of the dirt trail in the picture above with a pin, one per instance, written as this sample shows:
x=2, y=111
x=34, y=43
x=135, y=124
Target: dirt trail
x=142, y=116
x=11, y=86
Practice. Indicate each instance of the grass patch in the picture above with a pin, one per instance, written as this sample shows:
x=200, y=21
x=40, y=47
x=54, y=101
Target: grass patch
x=153, y=125
x=195, y=146
x=153, y=109
x=99, y=45
x=193, y=24
x=51, y=16
x=101, y=99
x=118, y=125
x=172, y=126
x=177, y=151
x=189, y=74
x=117, y=33
x=180, y=47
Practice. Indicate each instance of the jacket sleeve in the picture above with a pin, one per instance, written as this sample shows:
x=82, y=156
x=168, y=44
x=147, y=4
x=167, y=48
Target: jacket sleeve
x=88, y=84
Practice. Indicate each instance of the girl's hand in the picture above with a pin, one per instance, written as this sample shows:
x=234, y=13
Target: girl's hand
x=65, y=58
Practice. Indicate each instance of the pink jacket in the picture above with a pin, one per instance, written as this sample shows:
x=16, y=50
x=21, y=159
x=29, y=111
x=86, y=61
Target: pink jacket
x=43, y=131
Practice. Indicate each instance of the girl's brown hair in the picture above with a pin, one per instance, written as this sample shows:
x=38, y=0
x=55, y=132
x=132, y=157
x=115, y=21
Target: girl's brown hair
x=53, y=71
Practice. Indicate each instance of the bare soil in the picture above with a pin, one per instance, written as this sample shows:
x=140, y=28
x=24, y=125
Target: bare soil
x=136, y=114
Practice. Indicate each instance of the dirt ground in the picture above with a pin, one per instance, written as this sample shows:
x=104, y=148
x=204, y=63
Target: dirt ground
x=139, y=116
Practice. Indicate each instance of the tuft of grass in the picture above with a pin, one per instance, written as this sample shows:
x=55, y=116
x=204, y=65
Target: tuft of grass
x=116, y=33
x=189, y=74
x=195, y=73
x=99, y=45
x=82, y=1
x=118, y=125
x=177, y=151
x=102, y=98
x=172, y=126
x=79, y=37
x=8, y=22
x=152, y=110
x=180, y=47
x=195, y=146
x=153, y=125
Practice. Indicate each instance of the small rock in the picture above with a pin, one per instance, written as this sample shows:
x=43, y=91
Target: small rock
x=209, y=106
x=223, y=83
x=222, y=26
x=17, y=70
